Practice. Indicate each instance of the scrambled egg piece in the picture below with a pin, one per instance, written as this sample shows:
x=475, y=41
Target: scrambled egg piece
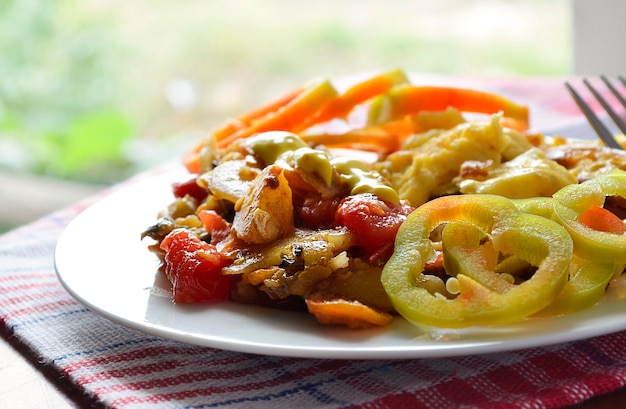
x=428, y=163
x=587, y=160
x=530, y=174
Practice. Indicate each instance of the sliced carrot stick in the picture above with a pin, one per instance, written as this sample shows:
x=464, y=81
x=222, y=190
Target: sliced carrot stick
x=374, y=139
x=400, y=129
x=409, y=99
x=289, y=116
x=191, y=161
x=272, y=107
x=233, y=125
x=341, y=106
x=601, y=219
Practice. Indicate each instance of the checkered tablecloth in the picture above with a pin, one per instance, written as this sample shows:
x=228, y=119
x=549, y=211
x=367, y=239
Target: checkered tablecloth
x=124, y=368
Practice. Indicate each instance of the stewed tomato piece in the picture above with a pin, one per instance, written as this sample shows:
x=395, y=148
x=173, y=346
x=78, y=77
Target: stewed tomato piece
x=189, y=188
x=194, y=268
x=374, y=221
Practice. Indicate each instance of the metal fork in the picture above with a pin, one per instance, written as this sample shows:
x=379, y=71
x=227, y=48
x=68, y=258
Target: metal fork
x=603, y=132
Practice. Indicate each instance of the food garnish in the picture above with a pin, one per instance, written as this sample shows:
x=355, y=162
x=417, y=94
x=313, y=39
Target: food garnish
x=383, y=200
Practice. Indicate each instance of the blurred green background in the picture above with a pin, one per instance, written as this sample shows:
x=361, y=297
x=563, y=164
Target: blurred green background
x=93, y=91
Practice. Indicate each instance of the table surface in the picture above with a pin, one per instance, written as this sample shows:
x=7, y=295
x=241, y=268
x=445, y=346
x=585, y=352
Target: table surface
x=25, y=383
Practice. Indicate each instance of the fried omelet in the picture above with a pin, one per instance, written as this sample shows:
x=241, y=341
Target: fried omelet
x=472, y=157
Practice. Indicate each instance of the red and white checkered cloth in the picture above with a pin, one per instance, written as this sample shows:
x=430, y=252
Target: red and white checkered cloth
x=124, y=368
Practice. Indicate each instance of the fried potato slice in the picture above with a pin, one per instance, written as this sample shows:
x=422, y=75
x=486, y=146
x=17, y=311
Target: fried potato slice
x=265, y=214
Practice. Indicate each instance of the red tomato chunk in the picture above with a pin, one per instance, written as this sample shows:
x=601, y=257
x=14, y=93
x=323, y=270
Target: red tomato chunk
x=374, y=221
x=317, y=212
x=215, y=225
x=194, y=268
x=191, y=188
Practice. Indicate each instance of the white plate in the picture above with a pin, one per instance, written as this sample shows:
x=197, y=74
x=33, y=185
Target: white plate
x=102, y=262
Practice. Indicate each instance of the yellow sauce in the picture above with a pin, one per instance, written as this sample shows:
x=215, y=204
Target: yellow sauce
x=362, y=180
x=289, y=149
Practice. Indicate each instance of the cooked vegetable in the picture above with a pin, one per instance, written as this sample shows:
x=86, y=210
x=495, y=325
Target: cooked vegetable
x=265, y=214
x=374, y=222
x=573, y=201
x=233, y=125
x=585, y=286
x=350, y=313
x=191, y=188
x=304, y=247
x=289, y=116
x=478, y=229
x=277, y=212
x=410, y=99
x=540, y=206
x=215, y=225
x=230, y=180
x=195, y=269
x=397, y=110
x=340, y=106
x=601, y=219
x=356, y=279
x=377, y=139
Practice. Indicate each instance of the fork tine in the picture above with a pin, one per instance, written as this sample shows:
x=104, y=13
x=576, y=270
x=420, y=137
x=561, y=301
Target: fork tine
x=597, y=125
x=614, y=90
x=616, y=118
x=618, y=121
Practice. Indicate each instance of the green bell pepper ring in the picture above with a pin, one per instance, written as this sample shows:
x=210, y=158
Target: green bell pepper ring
x=585, y=286
x=572, y=201
x=540, y=206
x=492, y=226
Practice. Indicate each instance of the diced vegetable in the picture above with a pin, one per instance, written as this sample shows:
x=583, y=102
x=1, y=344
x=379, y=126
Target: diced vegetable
x=351, y=313
x=572, y=201
x=195, y=269
x=374, y=223
x=189, y=187
x=601, y=219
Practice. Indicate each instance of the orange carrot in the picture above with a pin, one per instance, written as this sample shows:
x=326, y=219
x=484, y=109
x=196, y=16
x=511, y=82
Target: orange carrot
x=233, y=125
x=409, y=99
x=289, y=116
x=374, y=139
x=229, y=127
x=191, y=161
x=401, y=129
x=601, y=219
x=350, y=313
x=341, y=106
